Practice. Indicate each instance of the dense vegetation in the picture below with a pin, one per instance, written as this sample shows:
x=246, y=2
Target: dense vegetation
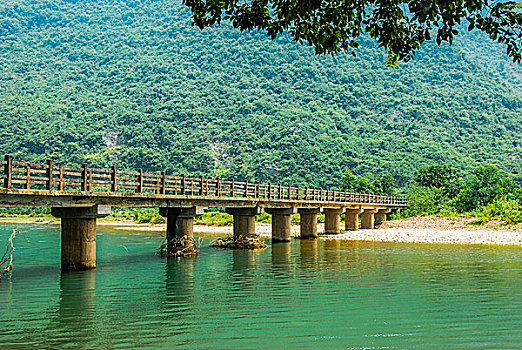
x=132, y=83
x=486, y=193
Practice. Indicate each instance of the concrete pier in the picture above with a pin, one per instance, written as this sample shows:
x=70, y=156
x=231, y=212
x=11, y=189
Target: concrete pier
x=281, y=224
x=381, y=216
x=78, y=241
x=351, y=219
x=308, y=222
x=368, y=219
x=180, y=222
x=332, y=220
x=244, y=220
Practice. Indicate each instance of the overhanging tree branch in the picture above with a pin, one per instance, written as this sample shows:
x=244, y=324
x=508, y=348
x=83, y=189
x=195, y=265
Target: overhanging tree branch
x=399, y=26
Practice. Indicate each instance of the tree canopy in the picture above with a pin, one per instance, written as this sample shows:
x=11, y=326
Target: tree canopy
x=382, y=185
x=445, y=177
x=399, y=26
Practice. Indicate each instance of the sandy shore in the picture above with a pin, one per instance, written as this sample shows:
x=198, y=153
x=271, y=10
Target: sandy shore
x=411, y=230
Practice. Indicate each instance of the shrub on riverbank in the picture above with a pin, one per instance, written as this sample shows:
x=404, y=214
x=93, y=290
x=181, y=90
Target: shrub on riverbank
x=505, y=209
x=25, y=212
x=214, y=218
x=486, y=194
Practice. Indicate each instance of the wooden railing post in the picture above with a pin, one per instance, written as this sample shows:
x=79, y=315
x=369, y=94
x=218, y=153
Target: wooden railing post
x=269, y=191
x=232, y=184
x=49, y=175
x=279, y=191
x=8, y=171
x=218, y=187
x=201, y=185
x=89, y=181
x=257, y=190
x=182, y=184
x=157, y=183
x=246, y=188
x=27, y=177
x=114, y=179
x=163, y=181
x=139, y=187
x=83, y=185
x=60, y=179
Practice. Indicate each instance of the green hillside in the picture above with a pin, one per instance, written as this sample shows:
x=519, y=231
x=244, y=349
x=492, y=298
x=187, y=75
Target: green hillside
x=132, y=83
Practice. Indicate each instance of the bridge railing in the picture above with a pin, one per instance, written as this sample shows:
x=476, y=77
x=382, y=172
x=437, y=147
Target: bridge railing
x=51, y=177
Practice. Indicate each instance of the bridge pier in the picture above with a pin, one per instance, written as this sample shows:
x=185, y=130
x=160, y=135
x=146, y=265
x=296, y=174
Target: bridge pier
x=180, y=222
x=351, y=219
x=332, y=221
x=381, y=215
x=281, y=223
x=308, y=222
x=368, y=218
x=78, y=241
x=244, y=221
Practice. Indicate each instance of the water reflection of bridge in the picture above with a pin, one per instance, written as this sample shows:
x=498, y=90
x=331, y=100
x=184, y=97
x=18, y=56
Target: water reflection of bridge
x=80, y=195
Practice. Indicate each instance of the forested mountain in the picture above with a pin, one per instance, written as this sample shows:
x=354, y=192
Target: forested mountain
x=131, y=83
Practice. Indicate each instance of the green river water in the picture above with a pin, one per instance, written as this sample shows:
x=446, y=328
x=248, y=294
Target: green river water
x=324, y=294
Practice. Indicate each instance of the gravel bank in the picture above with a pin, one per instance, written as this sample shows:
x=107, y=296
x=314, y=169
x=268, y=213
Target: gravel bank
x=439, y=230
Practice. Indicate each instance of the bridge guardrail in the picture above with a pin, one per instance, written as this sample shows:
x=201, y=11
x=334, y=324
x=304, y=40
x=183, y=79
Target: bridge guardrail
x=50, y=177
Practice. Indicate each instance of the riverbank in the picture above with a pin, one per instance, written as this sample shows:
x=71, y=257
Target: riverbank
x=427, y=229
x=410, y=230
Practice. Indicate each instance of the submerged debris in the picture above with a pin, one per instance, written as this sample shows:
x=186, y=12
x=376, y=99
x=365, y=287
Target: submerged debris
x=183, y=246
x=6, y=262
x=242, y=242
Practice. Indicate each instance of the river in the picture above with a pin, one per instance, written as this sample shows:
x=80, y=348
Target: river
x=324, y=294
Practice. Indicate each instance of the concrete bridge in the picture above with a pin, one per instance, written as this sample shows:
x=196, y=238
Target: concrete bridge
x=80, y=195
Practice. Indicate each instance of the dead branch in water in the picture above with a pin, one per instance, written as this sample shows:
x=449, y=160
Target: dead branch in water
x=183, y=246
x=242, y=242
x=7, y=258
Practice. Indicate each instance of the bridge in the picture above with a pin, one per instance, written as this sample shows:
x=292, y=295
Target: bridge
x=80, y=195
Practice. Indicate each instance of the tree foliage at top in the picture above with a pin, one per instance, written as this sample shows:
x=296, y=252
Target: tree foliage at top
x=400, y=26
